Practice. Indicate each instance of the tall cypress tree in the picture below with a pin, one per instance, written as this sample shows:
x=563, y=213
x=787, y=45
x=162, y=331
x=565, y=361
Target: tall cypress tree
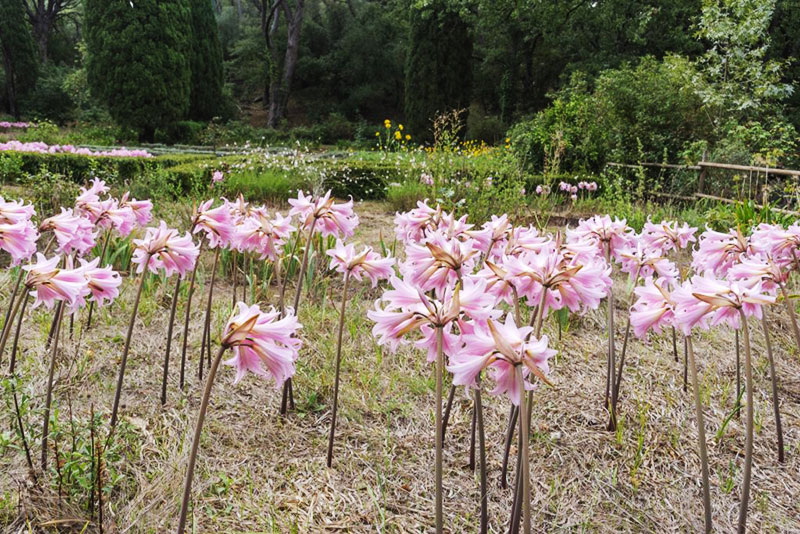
x=139, y=64
x=18, y=53
x=439, y=65
x=206, y=62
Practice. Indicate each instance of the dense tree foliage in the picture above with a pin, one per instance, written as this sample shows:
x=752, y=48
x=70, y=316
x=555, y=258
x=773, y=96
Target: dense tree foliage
x=18, y=54
x=206, y=62
x=439, y=67
x=139, y=60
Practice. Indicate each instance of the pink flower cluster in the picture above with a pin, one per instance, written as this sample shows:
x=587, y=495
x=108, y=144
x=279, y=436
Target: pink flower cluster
x=49, y=283
x=5, y=125
x=18, y=234
x=44, y=148
x=120, y=215
x=164, y=248
x=322, y=215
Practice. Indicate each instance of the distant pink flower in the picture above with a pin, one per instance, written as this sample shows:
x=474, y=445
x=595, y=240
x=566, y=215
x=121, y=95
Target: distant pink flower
x=216, y=223
x=575, y=286
x=645, y=262
x=413, y=225
x=426, y=179
x=263, y=343
x=365, y=263
x=493, y=233
x=103, y=282
x=706, y=298
x=324, y=215
x=653, y=309
x=782, y=245
x=73, y=233
x=217, y=176
x=92, y=194
x=501, y=347
x=12, y=212
x=717, y=252
x=408, y=308
x=47, y=283
x=141, y=209
x=601, y=230
x=573, y=197
x=19, y=240
x=165, y=248
x=258, y=233
x=667, y=235
x=440, y=263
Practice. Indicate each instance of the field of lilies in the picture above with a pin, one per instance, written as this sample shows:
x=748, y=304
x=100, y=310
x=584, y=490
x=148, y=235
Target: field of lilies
x=414, y=372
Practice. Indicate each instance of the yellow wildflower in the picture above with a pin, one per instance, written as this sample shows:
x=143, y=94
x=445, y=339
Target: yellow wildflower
x=400, y=126
x=408, y=137
x=398, y=135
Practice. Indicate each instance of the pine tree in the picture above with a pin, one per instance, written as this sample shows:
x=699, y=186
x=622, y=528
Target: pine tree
x=439, y=66
x=138, y=61
x=206, y=62
x=18, y=53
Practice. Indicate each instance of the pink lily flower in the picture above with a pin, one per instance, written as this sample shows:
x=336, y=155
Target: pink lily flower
x=12, y=212
x=19, y=240
x=759, y=267
x=141, y=209
x=601, y=230
x=440, y=263
x=411, y=226
x=263, y=343
x=47, y=283
x=103, y=282
x=778, y=243
x=73, y=232
x=258, y=233
x=367, y=262
x=493, y=234
x=646, y=262
x=717, y=252
x=92, y=194
x=324, y=215
x=216, y=223
x=407, y=309
x=667, y=235
x=501, y=347
x=165, y=248
x=653, y=309
x=719, y=300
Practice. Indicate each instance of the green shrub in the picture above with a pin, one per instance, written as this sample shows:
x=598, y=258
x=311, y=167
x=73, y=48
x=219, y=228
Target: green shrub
x=269, y=186
x=404, y=196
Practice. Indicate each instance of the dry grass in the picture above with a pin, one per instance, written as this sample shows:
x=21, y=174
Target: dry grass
x=260, y=472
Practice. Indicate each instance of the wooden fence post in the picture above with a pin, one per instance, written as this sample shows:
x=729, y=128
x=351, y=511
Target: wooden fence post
x=702, y=176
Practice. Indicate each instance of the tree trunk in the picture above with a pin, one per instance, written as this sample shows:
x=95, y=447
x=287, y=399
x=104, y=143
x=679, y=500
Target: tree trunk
x=279, y=89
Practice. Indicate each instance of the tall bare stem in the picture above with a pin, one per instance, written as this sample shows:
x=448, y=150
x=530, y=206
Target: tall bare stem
x=338, y=365
x=748, y=448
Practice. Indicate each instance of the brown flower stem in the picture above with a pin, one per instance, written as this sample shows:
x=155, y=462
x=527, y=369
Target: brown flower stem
x=207, y=319
x=774, y=379
x=99, y=480
x=738, y=407
x=21, y=427
x=338, y=366
x=523, y=430
x=748, y=448
x=234, y=273
x=472, y=432
x=618, y=381
x=124, y=362
x=512, y=423
x=482, y=453
x=6, y=323
x=198, y=429
x=447, y=408
x=792, y=316
x=7, y=331
x=13, y=363
x=187, y=315
x=301, y=277
x=611, y=363
x=172, y=309
x=91, y=466
x=106, y=239
x=49, y=396
x=439, y=427
x=674, y=345
x=701, y=435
